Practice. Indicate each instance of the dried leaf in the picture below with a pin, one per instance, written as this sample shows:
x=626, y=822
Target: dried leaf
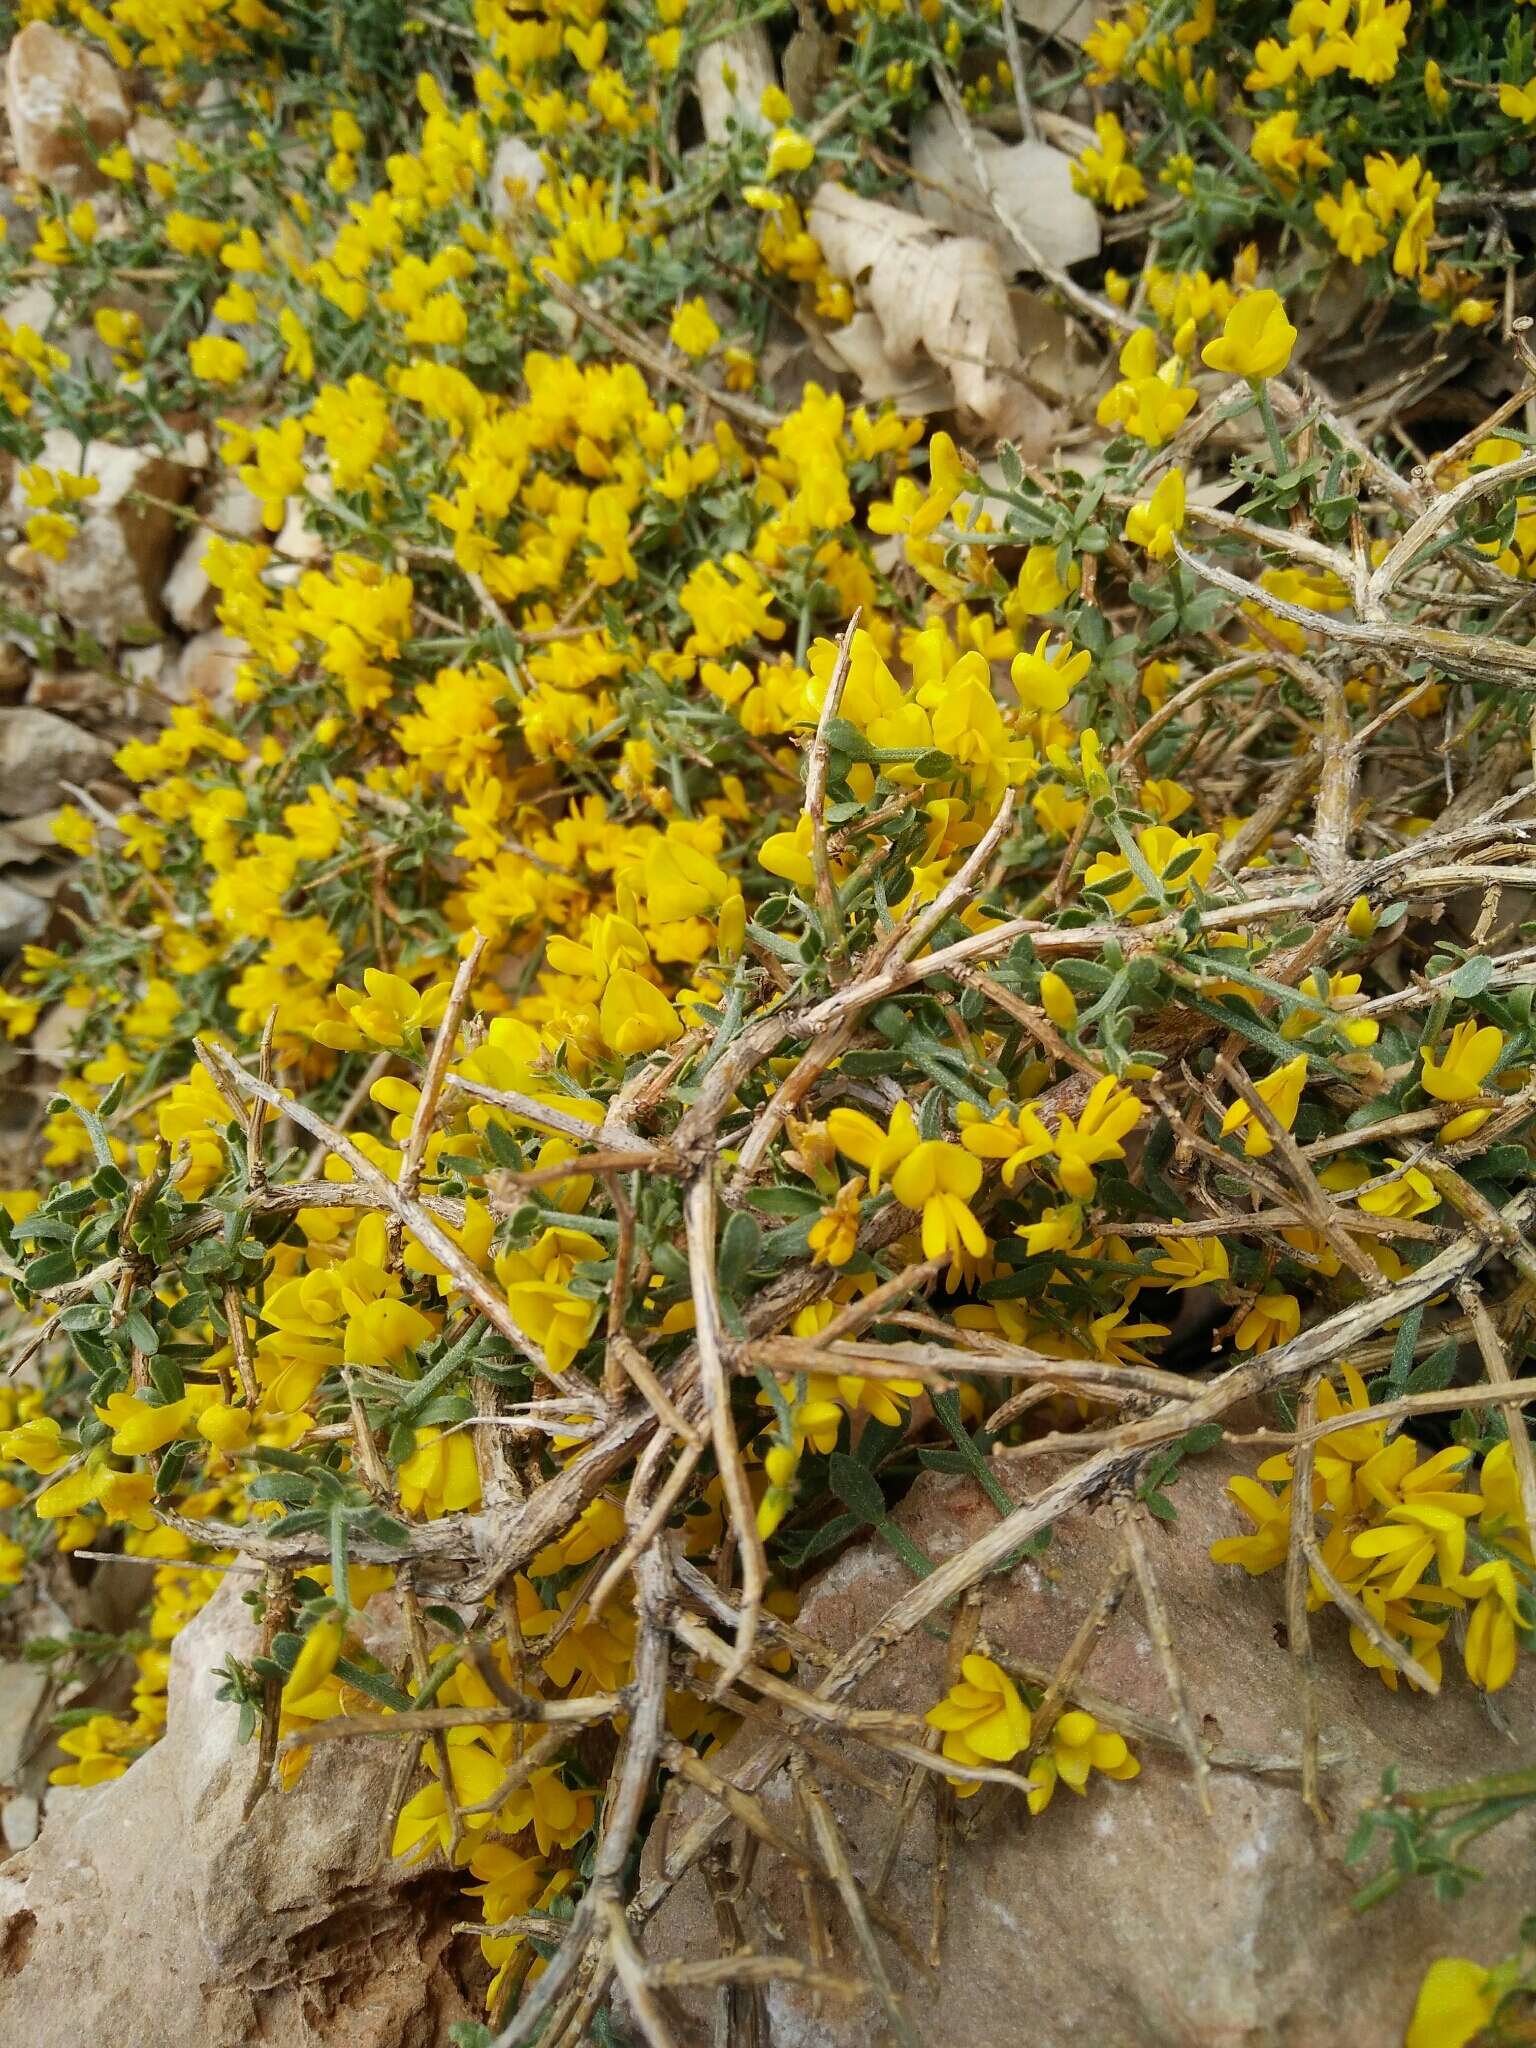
x=1032, y=182
x=936, y=296
x=731, y=77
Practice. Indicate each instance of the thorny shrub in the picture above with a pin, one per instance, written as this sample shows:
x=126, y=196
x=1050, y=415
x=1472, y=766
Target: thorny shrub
x=694, y=867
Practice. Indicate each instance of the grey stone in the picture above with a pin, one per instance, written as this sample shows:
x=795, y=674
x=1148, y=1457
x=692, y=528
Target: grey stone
x=38, y=753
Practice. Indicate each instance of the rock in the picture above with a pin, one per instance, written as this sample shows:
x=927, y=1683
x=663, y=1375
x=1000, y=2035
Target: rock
x=20, y=1818
x=1126, y=1917
x=22, y=1688
x=516, y=163
x=207, y=668
x=109, y=583
x=176, y=1923
x=23, y=920
x=76, y=693
x=38, y=753
x=228, y=509
x=52, y=85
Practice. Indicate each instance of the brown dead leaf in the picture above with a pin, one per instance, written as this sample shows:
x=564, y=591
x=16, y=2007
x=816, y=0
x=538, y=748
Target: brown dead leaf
x=1031, y=181
x=940, y=297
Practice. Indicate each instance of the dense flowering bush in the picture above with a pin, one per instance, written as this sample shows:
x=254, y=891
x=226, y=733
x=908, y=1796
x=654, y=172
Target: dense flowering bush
x=694, y=862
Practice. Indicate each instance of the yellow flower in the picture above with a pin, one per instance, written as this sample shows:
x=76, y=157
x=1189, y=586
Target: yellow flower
x=1456, y=2001
x=36, y=1444
x=1058, y=999
x=1078, y=1745
x=1105, y=173
x=1492, y=1627
x=1256, y=341
x=1045, y=677
x=1280, y=1092
x=1191, y=1262
x=1110, y=1112
x=1273, y=1319
x=834, y=1237
x=139, y=1429
x=1153, y=523
x=634, y=1015
x=440, y=1477
x=982, y=1718
x=1190, y=860
x=1469, y=1058
x=789, y=150
x=692, y=329
x=859, y=1138
x=1016, y=1138
x=1518, y=102
x=217, y=359
x=315, y=1662
x=939, y=1180
x=388, y=1011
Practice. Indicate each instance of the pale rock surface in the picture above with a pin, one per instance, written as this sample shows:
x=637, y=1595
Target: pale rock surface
x=206, y=669
x=228, y=509
x=149, y=1914
x=109, y=582
x=1125, y=1917
x=23, y=919
x=52, y=85
x=38, y=753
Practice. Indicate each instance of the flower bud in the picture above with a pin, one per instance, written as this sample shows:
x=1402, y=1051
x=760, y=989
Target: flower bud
x=1361, y=921
x=1060, y=1003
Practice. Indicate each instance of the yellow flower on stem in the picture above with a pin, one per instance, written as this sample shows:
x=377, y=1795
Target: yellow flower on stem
x=1273, y=1319
x=1191, y=1262
x=1109, y=1114
x=387, y=1011
x=982, y=1718
x=1492, y=1626
x=1017, y=1138
x=693, y=330
x=1270, y=1514
x=1078, y=1745
x=938, y=1179
x=635, y=1016
x=317, y=1659
x=1468, y=1059
x=859, y=1138
x=440, y=1477
x=1153, y=523
x=1456, y=2001
x=1280, y=1092
x=833, y=1238
x=1256, y=341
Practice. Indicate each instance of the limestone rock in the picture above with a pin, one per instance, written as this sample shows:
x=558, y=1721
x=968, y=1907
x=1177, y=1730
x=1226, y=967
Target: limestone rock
x=23, y=919
x=52, y=85
x=109, y=583
x=175, y=1923
x=206, y=669
x=1125, y=1916
x=39, y=752
x=228, y=509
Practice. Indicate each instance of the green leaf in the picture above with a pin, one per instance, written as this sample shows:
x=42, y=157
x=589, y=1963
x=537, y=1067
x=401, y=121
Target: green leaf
x=1437, y=1371
x=1472, y=976
x=856, y=1487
